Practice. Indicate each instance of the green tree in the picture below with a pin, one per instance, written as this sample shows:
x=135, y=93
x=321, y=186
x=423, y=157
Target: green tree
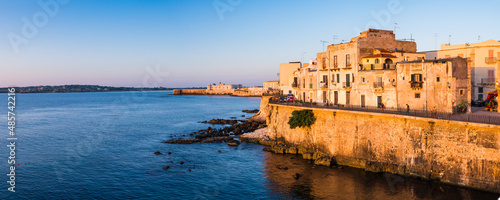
x=301, y=118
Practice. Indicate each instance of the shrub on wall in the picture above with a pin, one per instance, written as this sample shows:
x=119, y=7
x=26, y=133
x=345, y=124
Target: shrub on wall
x=301, y=118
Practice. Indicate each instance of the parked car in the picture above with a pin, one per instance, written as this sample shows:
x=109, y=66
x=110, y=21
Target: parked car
x=479, y=103
x=290, y=98
x=472, y=102
x=283, y=99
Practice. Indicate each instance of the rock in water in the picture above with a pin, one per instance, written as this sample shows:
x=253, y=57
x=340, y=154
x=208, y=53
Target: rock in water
x=181, y=163
x=158, y=153
x=296, y=176
x=233, y=143
x=166, y=167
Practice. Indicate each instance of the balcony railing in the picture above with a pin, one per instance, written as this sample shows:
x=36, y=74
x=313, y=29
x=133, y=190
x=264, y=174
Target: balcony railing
x=416, y=85
x=335, y=66
x=294, y=84
x=323, y=85
x=378, y=66
x=488, y=81
x=490, y=60
x=348, y=66
x=346, y=84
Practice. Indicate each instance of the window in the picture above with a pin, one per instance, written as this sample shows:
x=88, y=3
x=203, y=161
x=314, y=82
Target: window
x=403, y=78
x=353, y=77
x=333, y=78
x=490, y=53
x=367, y=60
x=480, y=96
x=335, y=61
x=304, y=83
x=310, y=83
x=325, y=78
x=379, y=82
x=461, y=92
x=416, y=77
x=480, y=90
x=377, y=61
x=347, y=60
x=438, y=79
x=338, y=78
x=324, y=63
x=417, y=95
x=362, y=79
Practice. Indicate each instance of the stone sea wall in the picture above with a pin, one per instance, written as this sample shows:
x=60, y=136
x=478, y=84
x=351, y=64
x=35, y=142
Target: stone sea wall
x=459, y=153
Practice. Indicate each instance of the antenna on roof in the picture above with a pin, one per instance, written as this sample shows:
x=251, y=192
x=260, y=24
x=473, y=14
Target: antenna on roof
x=334, y=37
x=395, y=27
x=479, y=38
x=449, y=40
x=322, y=41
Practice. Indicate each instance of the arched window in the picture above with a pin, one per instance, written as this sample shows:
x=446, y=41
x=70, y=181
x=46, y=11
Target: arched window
x=377, y=61
x=388, y=61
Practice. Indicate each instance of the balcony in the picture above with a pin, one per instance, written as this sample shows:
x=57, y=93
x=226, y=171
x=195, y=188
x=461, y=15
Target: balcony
x=323, y=85
x=348, y=66
x=416, y=85
x=335, y=66
x=378, y=86
x=294, y=84
x=490, y=60
x=487, y=81
x=382, y=66
x=346, y=84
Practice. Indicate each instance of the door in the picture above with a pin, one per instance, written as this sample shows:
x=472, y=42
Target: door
x=304, y=96
x=336, y=97
x=379, y=101
x=347, y=98
x=363, y=100
x=324, y=96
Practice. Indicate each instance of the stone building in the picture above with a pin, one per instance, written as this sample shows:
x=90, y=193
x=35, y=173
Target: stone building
x=339, y=65
x=374, y=69
x=287, y=80
x=224, y=89
x=436, y=84
x=307, y=86
x=271, y=85
x=376, y=82
x=483, y=58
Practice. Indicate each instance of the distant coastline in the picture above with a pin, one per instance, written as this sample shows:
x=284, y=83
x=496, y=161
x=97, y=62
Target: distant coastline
x=84, y=88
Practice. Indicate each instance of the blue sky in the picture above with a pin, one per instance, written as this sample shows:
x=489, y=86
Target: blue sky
x=121, y=42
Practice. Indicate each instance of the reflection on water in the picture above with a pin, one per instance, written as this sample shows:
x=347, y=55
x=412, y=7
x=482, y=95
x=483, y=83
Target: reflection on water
x=320, y=182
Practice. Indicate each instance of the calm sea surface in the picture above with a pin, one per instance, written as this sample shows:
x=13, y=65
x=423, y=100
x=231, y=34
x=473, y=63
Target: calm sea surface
x=101, y=145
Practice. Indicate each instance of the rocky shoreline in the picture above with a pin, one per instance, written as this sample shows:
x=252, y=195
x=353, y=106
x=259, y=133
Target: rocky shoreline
x=226, y=134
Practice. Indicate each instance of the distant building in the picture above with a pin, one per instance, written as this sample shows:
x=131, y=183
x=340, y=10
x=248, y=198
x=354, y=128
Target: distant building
x=272, y=85
x=483, y=58
x=222, y=88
